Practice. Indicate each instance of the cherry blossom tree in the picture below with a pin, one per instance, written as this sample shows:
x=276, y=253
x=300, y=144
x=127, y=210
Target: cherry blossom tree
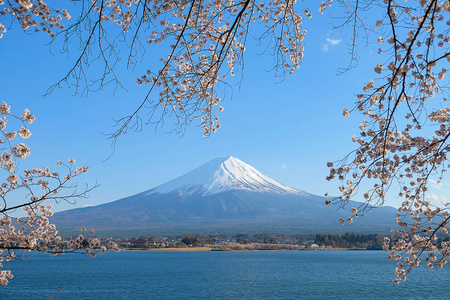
x=404, y=140
x=402, y=143
x=19, y=236
x=205, y=41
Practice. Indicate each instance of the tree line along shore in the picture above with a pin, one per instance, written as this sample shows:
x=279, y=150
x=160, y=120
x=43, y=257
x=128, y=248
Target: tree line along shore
x=262, y=241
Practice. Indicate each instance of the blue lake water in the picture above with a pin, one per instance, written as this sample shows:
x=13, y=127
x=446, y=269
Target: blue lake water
x=221, y=275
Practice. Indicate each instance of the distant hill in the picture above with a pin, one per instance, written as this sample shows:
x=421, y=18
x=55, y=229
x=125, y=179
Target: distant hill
x=224, y=195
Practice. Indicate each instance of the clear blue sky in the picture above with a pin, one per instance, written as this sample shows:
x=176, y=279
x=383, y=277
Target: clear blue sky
x=287, y=130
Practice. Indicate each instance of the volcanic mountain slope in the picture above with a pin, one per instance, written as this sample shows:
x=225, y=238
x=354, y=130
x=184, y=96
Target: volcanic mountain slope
x=224, y=195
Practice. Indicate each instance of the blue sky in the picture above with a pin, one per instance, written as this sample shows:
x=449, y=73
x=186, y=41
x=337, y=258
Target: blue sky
x=286, y=129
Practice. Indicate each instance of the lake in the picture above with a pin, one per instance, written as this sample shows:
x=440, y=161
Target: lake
x=221, y=275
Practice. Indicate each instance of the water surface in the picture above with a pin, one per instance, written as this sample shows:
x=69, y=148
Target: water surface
x=221, y=275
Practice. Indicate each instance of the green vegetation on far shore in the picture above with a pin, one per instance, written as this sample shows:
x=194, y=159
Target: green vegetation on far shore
x=263, y=241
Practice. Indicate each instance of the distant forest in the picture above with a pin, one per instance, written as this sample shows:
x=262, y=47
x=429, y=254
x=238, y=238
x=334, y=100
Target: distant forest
x=347, y=240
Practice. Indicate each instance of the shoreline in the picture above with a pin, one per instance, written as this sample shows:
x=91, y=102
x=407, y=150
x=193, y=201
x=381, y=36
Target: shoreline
x=204, y=249
x=190, y=249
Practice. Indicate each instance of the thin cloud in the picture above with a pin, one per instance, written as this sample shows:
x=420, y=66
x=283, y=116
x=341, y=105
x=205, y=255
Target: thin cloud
x=330, y=43
x=284, y=167
x=333, y=42
x=435, y=184
x=87, y=205
x=438, y=199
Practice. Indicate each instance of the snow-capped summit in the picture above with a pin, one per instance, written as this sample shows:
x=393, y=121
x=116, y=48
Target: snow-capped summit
x=222, y=174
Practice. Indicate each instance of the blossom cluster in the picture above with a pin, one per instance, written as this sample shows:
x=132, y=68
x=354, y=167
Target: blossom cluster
x=34, y=232
x=2, y=30
x=34, y=14
x=393, y=146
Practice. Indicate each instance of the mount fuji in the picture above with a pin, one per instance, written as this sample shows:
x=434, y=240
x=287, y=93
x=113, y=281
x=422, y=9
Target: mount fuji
x=224, y=195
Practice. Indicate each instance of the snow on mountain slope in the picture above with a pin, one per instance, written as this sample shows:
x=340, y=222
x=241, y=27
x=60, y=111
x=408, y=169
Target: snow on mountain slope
x=223, y=174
